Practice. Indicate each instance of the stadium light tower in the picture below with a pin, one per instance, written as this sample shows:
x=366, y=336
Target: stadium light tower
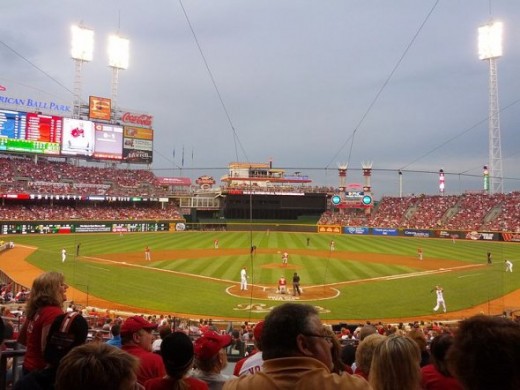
x=82, y=50
x=489, y=49
x=118, y=59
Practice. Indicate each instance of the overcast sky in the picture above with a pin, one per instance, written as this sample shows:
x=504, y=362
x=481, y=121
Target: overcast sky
x=308, y=84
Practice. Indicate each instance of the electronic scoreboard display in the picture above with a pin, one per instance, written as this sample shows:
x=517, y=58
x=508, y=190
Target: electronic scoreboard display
x=44, y=128
x=108, y=141
x=12, y=124
x=30, y=132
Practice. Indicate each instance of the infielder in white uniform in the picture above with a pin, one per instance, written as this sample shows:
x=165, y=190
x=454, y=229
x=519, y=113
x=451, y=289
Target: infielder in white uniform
x=509, y=266
x=243, y=279
x=440, y=299
x=63, y=255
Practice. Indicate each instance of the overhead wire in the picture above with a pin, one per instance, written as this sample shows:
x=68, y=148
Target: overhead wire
x=236, y=139
x=381, y=89
x=213, y=81
x=472, y=127
x=36, y=67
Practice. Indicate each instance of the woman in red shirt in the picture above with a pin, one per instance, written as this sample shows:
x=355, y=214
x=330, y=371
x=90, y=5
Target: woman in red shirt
x=45, y=303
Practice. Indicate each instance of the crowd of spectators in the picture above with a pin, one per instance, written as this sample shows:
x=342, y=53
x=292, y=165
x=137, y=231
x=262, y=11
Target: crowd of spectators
x=297, y=351
x=48, y=177
x=467, y=212
x=107, y=211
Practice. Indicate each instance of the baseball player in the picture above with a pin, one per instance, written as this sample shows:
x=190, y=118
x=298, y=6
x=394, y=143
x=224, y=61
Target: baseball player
x=282, y=285
x=285, y=258
x=439, y=291
x=243, y=279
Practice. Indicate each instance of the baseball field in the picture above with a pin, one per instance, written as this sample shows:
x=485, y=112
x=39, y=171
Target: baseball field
x=365, y=277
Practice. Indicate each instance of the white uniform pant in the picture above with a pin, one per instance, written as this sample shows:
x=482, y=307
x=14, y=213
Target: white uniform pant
x=439, y=304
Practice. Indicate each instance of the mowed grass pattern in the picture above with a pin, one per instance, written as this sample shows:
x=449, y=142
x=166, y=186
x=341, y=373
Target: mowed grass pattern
x=162, y=285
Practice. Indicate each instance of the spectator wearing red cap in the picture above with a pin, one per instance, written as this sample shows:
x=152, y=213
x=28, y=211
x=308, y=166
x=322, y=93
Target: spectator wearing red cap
x=252, y=363
x=136, y=337
x=211, y=359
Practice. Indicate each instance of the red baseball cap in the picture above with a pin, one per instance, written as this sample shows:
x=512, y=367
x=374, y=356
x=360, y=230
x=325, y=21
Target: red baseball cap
x=257, y=331
x=136, y=323
x=210, y=343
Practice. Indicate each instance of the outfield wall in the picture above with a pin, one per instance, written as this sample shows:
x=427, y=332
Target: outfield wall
x=67, y=227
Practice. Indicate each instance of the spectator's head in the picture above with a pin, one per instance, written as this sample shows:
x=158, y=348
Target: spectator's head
x=177, y=354
x=257, y=334
x=366, y=330
x=97, y=366
x=395, y=364
x=66, y=332
x=48, y=289
x=164, y=331
x=365, y=351
x=348, y=353
x=486, y=352
x=115, y=330
x=210, y=355
x=438, y=350
x=417, y=335
x=136, y=330
x=294, y=329
x=338, y=366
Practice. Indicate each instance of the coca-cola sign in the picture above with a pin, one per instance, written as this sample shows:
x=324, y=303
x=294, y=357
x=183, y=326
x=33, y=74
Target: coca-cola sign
x=137, y=119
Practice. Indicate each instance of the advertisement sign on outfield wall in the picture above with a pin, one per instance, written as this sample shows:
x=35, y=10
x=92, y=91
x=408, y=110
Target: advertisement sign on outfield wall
x=474, y=235
x=417, y=233
x=511, y=237
x=385, y=232
x=355, y=230
x=94, y=227
x=335, y=229
x=451, y=234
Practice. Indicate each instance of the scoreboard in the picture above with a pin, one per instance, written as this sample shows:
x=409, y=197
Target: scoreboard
x=30, y=132
x=12, y=124
x=44, y=128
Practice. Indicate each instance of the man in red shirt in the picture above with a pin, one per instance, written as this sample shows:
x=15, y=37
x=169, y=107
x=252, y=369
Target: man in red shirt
x=137, y=338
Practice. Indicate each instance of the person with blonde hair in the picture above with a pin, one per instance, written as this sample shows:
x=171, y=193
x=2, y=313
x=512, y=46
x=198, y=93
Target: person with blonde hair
x=365, y=352
x=395, y=365
x=48, y=293
x=97, y=366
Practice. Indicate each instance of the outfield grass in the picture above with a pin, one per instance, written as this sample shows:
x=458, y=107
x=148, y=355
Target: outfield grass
x=159, y=286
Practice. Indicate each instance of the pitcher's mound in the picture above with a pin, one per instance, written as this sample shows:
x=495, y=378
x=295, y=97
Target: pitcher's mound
x=271, y=292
